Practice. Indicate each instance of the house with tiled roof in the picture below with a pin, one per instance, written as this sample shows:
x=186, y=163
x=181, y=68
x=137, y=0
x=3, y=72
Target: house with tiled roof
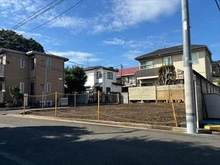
x=103, y=79
x=126, y=77
x=150, y=63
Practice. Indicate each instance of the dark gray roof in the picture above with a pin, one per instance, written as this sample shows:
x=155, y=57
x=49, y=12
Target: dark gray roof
x=45, y=54
x=170, y=51
x=100, y=67
x=32, y=52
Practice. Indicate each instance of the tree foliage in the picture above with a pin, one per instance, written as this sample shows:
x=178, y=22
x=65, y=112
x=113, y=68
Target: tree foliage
x=11, y=40
x=166, y=74
x=15, y=94
x=217, y=81
x=75, y=79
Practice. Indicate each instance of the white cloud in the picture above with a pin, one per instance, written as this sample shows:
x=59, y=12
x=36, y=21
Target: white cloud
x=116, y=16
x=66, y=21
x=132, y=54
x=114, y=41
x=148, y=42
x=13, y=7
x=126, y=13
x=215, y=45
x=77, y=57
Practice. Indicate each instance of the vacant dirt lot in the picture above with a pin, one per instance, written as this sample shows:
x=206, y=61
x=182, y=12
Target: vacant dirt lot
x=146, y=113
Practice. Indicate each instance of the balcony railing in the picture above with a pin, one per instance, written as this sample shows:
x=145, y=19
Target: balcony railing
x=147, y=72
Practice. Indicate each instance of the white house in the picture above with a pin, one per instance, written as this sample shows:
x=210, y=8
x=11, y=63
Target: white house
x=102, y=79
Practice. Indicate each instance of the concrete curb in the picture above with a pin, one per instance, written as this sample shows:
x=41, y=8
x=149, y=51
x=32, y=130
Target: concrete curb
x=115, y=124
x=96, y=122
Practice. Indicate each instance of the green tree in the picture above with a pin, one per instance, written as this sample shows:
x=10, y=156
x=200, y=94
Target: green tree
x=217, y=81
x=75, y=79
x=11, y=40
x=166, y=75
x=15, y=94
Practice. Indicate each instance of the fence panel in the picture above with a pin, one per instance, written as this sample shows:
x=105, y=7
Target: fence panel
x=177, y=91
x=142, y=93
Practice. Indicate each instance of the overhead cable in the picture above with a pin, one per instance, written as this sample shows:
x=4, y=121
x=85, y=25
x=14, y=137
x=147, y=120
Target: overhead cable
x=38, y=13
x=75, y=5
x=218, y=4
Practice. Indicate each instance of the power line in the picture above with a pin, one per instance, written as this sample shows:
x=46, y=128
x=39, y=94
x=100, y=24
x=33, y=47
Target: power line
x=76, y=63
x=218, y=5
x=38, y=13
x=68, y=60
x=75, y=5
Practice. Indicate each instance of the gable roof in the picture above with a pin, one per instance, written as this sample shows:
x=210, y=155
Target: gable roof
x=100, y=67
x=127, y=71
x=45, y=54
x=2, y=50
x=170, y=50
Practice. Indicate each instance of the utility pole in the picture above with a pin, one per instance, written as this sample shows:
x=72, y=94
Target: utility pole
x=188, y=73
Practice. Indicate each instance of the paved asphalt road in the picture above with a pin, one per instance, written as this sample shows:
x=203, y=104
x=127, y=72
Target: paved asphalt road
x=29, y=141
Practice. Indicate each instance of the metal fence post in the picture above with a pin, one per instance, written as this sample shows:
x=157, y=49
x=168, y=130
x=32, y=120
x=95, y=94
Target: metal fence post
x=74, y=99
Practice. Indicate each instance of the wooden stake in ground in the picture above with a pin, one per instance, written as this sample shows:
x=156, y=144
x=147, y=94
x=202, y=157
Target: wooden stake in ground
x=55, y=112
x=173, y=108
x=98, y=105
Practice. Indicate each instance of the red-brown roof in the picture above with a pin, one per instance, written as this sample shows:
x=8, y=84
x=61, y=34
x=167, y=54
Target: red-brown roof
x=126, y=71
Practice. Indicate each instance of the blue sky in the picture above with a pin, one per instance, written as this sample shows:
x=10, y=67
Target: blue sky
x=111, y=32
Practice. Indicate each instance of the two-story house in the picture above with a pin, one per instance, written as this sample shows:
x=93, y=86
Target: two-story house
x=150, y=63
x=34, y=72
x=102, y=79
x=127, y=78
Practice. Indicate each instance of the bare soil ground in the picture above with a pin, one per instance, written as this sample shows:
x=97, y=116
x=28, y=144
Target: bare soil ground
x=146, y=113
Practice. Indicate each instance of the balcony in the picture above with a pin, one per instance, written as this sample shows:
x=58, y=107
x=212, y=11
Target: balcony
x=147, y=73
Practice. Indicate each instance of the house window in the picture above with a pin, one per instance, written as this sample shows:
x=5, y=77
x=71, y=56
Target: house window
x=0, y=86
x=99, y=75
x=109, y=75
x=131, y=80
x=22, y=63
x=108, y=90
x=146, y=64
x=48, y=63
x=48, y=87
x=21, y=87
x=126, y=80
x=32, y=63
x=32, y=88
x=167, y=60
x=1, y=59
x=195, y=58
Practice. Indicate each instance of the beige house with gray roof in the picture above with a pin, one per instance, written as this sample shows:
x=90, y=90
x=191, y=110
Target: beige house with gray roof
x=149, y=63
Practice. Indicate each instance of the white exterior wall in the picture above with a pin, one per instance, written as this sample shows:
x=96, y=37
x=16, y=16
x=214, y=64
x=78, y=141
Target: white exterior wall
x=92, y=79
x=115, y=88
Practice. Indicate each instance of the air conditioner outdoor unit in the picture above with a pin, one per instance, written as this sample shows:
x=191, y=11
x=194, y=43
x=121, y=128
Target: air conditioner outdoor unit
x=42, y=102
x=49, y=103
